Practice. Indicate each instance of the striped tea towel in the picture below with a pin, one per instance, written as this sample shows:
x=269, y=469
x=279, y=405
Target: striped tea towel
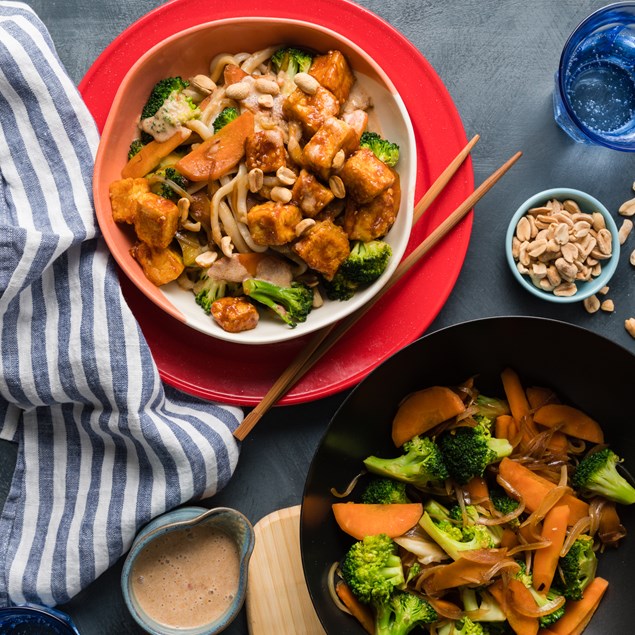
x=103, y=446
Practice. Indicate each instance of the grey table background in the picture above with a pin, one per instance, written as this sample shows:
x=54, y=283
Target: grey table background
x=497, y=59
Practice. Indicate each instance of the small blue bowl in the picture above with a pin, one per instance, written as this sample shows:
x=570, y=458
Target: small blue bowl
x=230, y=521
x=587, y=204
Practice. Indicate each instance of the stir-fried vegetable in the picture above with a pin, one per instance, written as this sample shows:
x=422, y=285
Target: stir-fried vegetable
x=502, y=540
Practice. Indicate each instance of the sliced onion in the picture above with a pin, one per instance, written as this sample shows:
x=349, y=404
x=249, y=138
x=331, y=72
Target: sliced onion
x=549, y=501
x=529, y=546
x=484, y=556
x=499, y=567
x=595, y=513
x=155, y=178
x=330, y=581
x=349, y=488
x=468, y=412
x=501, y=520
x=540, y=611
x=446, y=609
x=580, y=527
x=510, y=489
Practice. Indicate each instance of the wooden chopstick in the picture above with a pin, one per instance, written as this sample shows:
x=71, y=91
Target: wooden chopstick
x=327, y=337
x=442, y=180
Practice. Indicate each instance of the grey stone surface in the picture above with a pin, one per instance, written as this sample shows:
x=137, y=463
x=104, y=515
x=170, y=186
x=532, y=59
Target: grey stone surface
x=497, y=59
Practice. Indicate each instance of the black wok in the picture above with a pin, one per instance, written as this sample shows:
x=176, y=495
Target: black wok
x=585, y=369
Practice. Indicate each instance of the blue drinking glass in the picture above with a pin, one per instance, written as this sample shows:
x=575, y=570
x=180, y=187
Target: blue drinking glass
x=594, y=97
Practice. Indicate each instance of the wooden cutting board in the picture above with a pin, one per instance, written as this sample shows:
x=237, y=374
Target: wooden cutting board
x=278, y=601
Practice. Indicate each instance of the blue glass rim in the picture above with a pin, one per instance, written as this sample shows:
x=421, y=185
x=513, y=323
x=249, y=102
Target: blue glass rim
x=34, y=613
x=592, y=136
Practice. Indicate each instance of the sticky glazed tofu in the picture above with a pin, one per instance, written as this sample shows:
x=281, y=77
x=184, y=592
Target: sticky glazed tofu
x=261, y=187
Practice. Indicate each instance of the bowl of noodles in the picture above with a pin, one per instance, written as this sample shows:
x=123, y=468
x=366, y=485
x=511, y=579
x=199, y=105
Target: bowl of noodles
x=270, y=193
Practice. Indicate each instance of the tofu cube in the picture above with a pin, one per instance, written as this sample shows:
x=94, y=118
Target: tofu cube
x=265, y=150
x=333, y=72
x=160, y=266
x=365, y=176
x=368, y=221
x=332, y=136
x=156, y=221
x=124, y=198
x=310, y=195
x=310, y=110
x=273, y=223
x=324, y=248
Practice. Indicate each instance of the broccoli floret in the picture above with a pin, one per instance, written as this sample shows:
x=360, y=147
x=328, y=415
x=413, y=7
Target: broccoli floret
x=464, y=626
x=528, y=580
x=451, y=537
x=548, y=620
x=207, y=290
x=472, y=516
x=523, y=575
x=161, y=91
x=165, y=189
x=490, y=407
x=291, y=61
x=384, y=150
x=504, y=504
x=403, y=613
x=135, y=147
x=421, y=464
x=224, y=117
x=166, y=109
x=578, y=567
x=467, y=451
x=483, y=602
x=597, y=474
x=292, y=304
x=384, y=491
x=373, y=569
x=340, y=287
x=367, y=261
x=413, y=572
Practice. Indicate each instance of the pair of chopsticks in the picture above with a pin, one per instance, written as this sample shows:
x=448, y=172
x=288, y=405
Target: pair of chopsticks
x=327, y=337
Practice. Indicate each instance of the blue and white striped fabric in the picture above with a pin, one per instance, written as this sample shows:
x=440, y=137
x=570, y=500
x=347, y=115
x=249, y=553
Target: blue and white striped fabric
x=103, y=447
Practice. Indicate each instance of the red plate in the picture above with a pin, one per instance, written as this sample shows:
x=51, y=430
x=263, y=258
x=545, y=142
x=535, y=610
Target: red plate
x=236, y=374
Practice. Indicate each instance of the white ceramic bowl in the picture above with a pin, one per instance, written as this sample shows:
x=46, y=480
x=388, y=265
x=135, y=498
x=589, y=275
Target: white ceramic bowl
x=188, y=53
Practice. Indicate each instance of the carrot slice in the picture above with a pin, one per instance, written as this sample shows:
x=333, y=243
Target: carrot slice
x=571, y=421
x=362, y=519
x=477, y=489
x=359, y=611
x=220, y=153
x=519, y=405
x=521, y=624
x=509, y=538
x=538, y=396
x=250, y=261
x=232, y=74
x=505, y=428
x=515, y=394
x=423, y=410
x=578, y=614
x=152, y=154
x=534, y=488
x=554, y=529
x=456, y=574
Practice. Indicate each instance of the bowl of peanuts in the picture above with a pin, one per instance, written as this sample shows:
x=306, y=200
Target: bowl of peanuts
x=253, y=169
x=562, y=245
